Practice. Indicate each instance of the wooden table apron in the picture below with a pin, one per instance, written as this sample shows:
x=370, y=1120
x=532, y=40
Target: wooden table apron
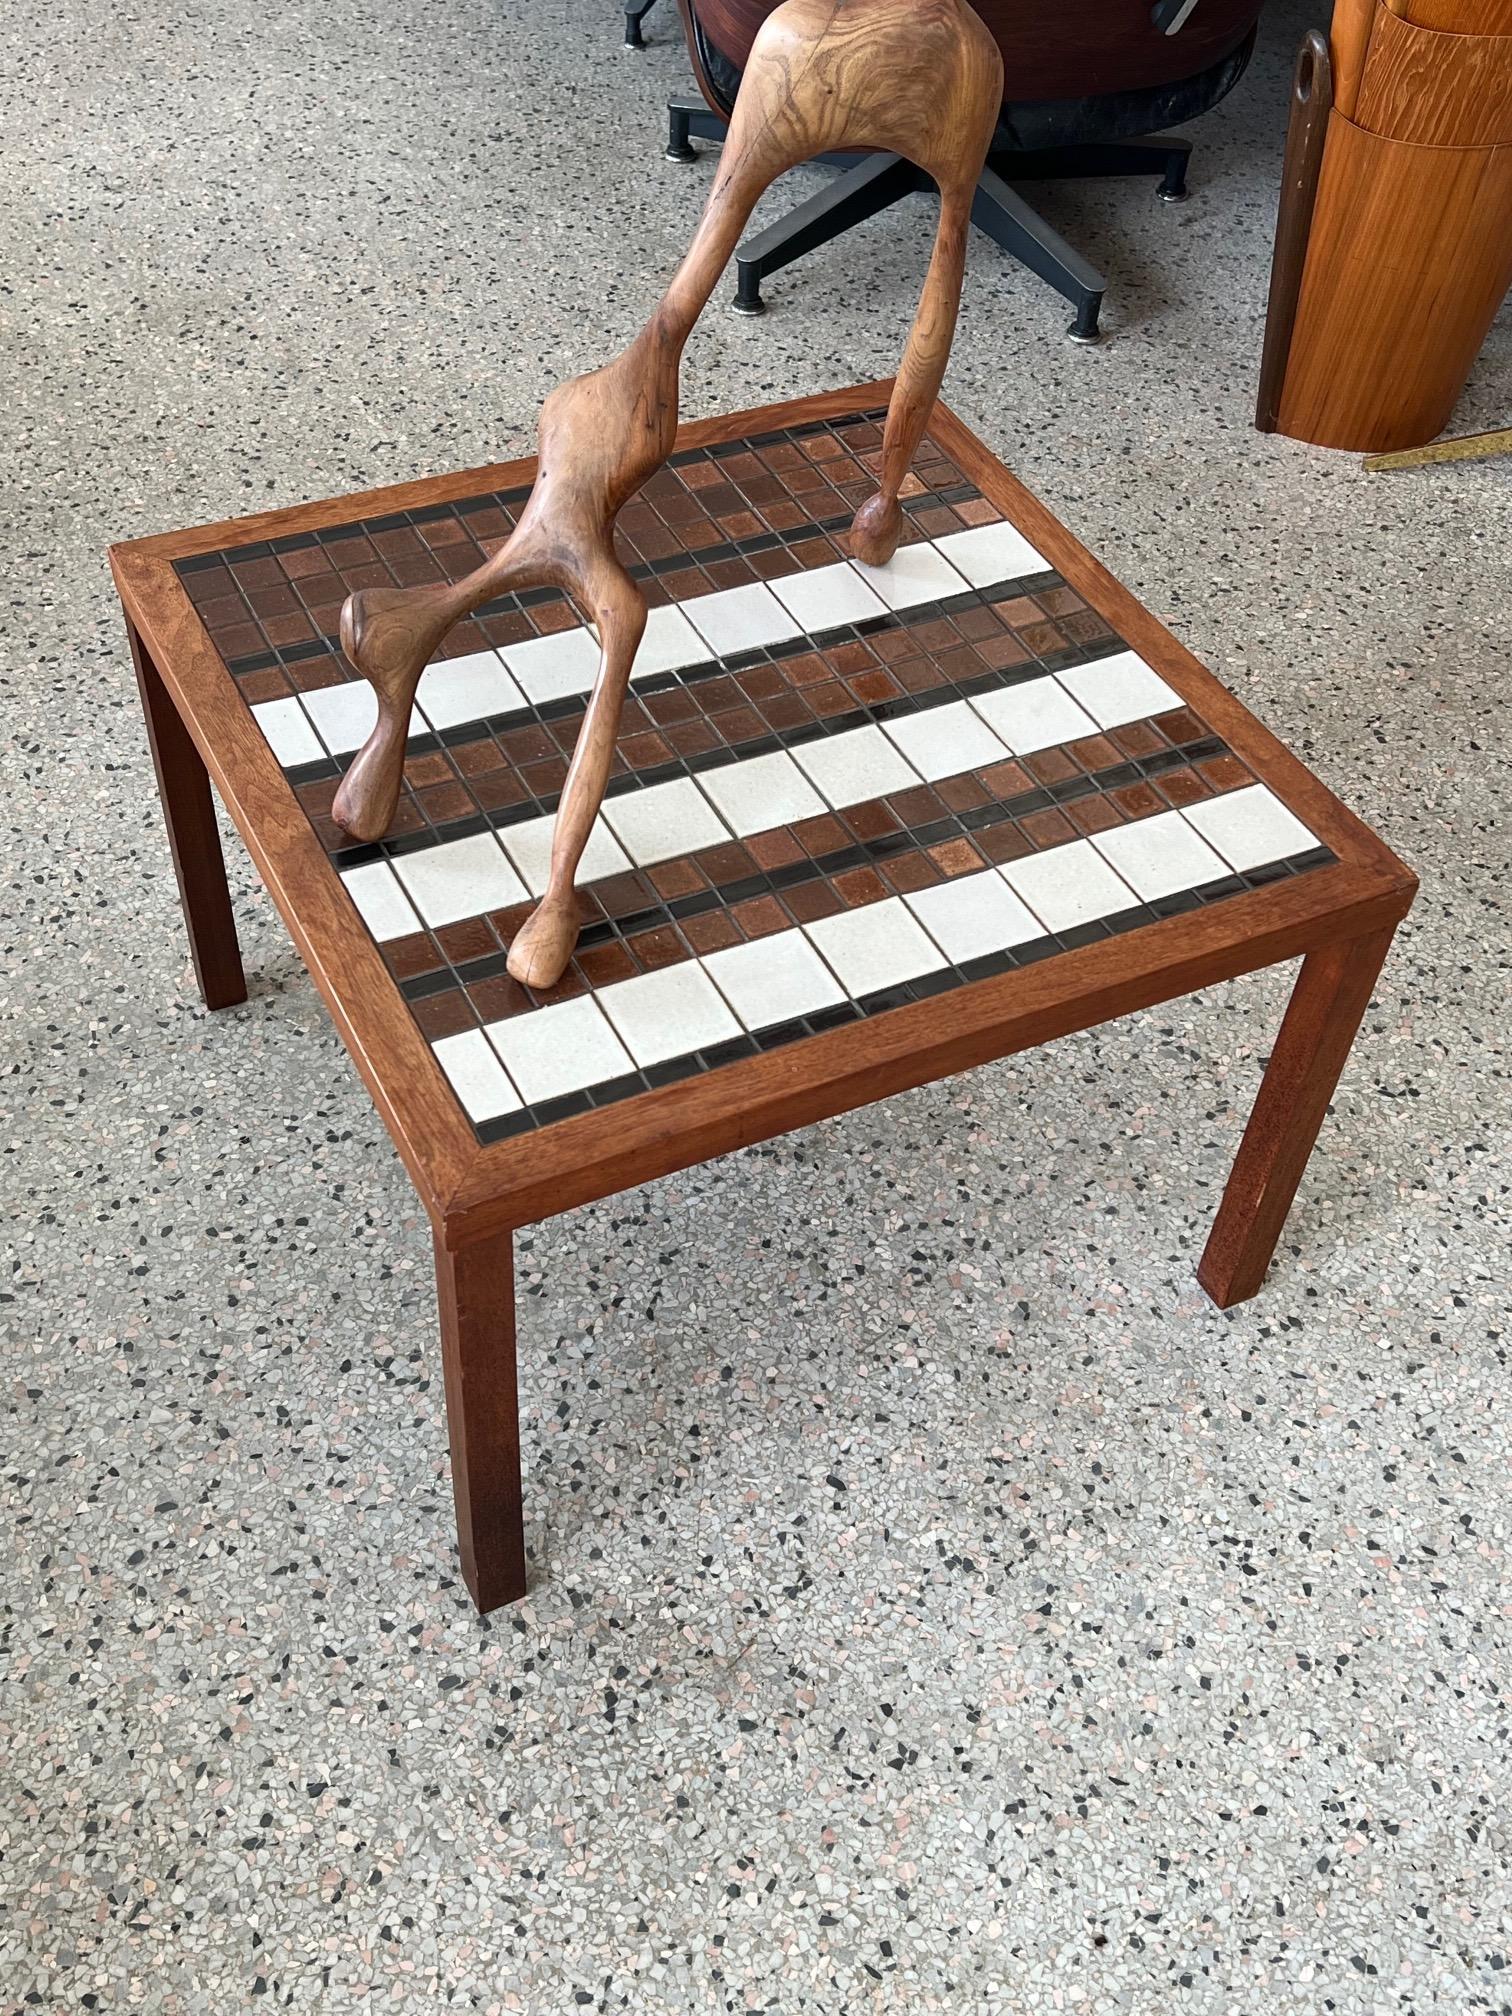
x=474, y=1192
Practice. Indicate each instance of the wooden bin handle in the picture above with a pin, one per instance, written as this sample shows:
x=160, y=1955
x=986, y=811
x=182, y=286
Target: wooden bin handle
x=1311, y=102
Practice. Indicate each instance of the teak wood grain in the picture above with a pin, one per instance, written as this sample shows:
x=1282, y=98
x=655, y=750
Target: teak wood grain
x=1339, y=918
x=1408, y=259
x=194, y=841
x=918, y=78
x=1348, y=39
x=1327, y=1006
x=1435, y=89
x=1457, y=17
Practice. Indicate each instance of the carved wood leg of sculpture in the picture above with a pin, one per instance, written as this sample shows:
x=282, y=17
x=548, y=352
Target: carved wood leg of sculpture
x=389, y=634
x=539, y=952
x=878, y=524
x=920, y=78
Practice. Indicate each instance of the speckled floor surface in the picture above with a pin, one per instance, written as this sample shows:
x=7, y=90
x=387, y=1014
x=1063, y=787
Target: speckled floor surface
x=937, y=1605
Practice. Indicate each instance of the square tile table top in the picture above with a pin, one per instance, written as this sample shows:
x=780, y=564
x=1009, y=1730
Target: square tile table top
x=866, y=826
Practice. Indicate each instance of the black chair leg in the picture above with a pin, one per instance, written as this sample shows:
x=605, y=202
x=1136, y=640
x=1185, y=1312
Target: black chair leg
x=687, y=118
x=876, y=181
x=633, y=18
x=1162, y=151
x=1008, y=221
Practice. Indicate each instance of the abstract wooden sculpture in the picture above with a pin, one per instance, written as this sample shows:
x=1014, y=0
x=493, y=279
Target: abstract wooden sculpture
x=920, y=78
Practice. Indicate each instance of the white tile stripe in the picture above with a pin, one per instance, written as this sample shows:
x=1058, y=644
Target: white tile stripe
x=783, y=786
x=701, y=1001
x=455, y=691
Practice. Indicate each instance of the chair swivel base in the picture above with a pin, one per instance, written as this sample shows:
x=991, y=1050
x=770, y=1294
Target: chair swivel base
x=876, y=181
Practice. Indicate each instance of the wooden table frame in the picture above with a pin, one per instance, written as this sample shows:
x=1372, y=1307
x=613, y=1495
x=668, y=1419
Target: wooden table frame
x=1339, y=919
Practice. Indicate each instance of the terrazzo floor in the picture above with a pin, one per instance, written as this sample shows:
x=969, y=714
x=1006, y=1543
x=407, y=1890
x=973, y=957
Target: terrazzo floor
x=936, y=1604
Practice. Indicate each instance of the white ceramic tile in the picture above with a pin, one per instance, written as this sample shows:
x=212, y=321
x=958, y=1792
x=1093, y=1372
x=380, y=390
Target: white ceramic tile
x=381, y=903
x=466, y=689
x=859, y=764
x=943, y=741
x=670, y=642
x=554, y=666
x=825, y=597
x=345, y=715
x=477, y=1077
x=773, y=979
x=738, y=619
x=460, y=878
x=663, y=820
x=563, y=1048
x=763, y=792
x=1035, y=715
x=668, y=1013
x=876, y=946
x=288, y=732
x=973, y=915
x=1160, y=855
x=529, y=848
x=1251, y=827
x=918, y=573
x=987, y=554
x=1069, y=885
x=1119, y=689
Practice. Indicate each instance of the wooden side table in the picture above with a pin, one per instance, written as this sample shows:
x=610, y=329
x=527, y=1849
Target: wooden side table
x=868, y=827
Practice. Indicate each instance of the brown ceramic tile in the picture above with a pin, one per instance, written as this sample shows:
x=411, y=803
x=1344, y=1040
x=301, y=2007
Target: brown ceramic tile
x=858, y=886
x=470, y=938
x=444, y=1014
x=1050, y=766
x=1002, y=842
x=821, y=835
x=258, y=686
x=1184, y=787
x=873, y=820
x=416, y=954
x=672, y=879
x=1180, y=725
x=1224, y=773
x=759, y=917
x=710, y=931
x=1093, y=814
x=808, y=901
x=956, y=857
x=651, y=950
x=775, y=849
x=602, y=965
x=1137, y=738
x=905, y=873
x=496, y=999
x=1138, y=801
x=964, y=793
x=1050, y=828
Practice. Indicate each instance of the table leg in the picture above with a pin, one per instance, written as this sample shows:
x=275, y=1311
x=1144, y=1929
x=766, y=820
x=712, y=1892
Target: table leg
x=475, y=1287
x=193, y=838
x=1326, y=1008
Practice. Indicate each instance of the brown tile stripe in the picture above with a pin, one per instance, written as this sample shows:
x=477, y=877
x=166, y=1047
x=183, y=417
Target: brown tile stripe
x=525, y=766
x=908, y=842
x=291, y=600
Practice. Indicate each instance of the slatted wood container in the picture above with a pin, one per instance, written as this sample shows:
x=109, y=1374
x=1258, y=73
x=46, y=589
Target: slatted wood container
x=1410, y=249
